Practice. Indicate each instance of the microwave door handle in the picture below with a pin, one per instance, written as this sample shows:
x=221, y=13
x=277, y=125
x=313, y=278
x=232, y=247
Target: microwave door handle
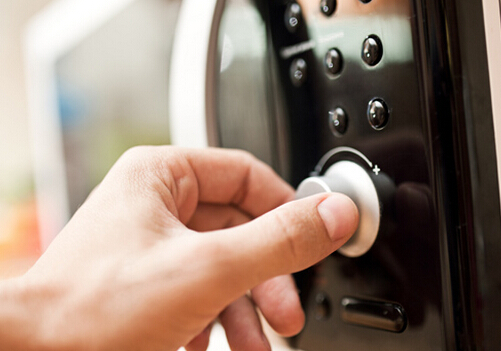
x=192, y=73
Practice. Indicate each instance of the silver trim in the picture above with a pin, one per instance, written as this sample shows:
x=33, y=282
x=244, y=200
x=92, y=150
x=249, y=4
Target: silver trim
x=321, y=164
x=492, y=19
x=192, y=74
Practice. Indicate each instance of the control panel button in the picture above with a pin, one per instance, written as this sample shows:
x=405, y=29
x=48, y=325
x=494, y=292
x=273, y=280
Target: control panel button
x=327, y=7
x=351, y=179
x=292, y=17
x=333, y=62
x=378, y=113
x=374, y=314
x=372, y=50
x=322, y=307
x=298, y=72
x=338, y=121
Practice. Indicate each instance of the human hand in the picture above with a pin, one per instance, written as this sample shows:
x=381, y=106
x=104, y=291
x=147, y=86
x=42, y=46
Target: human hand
x=127, y=273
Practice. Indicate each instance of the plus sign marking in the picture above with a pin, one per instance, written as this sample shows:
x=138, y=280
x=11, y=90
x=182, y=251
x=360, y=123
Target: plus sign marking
x=376, y=170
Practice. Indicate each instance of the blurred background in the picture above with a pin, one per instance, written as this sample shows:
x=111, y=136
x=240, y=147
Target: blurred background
x=80, y=82
x=18, y=228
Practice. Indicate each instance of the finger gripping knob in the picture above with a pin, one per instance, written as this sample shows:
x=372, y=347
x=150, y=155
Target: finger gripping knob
x=351, y=179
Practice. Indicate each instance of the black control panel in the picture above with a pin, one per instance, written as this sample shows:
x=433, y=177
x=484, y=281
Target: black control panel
x=387, y=84
x=353, y=74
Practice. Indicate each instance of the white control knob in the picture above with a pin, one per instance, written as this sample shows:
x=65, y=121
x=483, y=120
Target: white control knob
x=349, y=178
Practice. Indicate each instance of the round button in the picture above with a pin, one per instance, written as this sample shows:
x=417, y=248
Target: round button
x=338, y=121
x=298, y=72
x=333, y=62
x=292, y=17
x=327, y=7
x=378, y=113
x=372, y=50
x=322, y=307
x=351, y=179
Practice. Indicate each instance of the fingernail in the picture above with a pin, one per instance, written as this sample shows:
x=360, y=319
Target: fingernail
x=340, y=216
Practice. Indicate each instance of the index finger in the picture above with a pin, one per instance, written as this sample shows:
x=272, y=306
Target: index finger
x=236, y=177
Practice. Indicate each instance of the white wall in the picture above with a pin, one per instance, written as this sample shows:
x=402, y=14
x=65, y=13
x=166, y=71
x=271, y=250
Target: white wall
x=15, y=148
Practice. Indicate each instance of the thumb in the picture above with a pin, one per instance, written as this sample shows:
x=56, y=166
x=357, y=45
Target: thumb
x=286, y=240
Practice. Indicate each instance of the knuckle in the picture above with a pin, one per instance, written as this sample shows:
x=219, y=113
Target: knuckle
x=160, y=171
x=135, y=153
x=140, y=155
x=243, y=155
x=132, y=164
x=138, y=167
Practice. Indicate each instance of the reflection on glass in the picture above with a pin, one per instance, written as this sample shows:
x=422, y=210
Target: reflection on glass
x=243, y=101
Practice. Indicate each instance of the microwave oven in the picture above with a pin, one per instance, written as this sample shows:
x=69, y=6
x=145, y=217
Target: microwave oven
x=407, y=92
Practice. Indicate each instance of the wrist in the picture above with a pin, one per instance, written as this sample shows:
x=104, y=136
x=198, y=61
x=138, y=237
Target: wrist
x=16, y=326
x=23, y=316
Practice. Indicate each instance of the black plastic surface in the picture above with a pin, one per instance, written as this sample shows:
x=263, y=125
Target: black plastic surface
x=438, y=252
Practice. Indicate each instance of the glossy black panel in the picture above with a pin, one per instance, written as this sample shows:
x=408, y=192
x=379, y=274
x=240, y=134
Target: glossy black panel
x=410, y=94
x=387, y=124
